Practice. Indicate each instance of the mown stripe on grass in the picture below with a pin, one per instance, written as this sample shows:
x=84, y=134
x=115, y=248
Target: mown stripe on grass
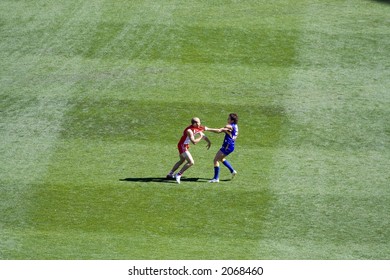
x=27, y=140
x=31, y=119
x=330, y=172
x=198, y=44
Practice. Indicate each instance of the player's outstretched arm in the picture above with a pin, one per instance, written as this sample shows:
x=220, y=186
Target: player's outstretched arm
x=215, y=130
x=227, y=128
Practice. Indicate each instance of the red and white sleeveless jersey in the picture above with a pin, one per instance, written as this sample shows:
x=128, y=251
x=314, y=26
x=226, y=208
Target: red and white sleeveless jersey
x=185, y=139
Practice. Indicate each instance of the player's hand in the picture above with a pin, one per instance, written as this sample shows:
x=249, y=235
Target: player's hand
x=228, y=128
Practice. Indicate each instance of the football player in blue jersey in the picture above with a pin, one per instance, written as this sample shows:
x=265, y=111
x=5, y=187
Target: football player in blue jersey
x=231, y=133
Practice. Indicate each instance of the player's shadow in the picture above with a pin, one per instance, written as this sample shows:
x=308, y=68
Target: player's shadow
x=161, y=180
x=383, y=1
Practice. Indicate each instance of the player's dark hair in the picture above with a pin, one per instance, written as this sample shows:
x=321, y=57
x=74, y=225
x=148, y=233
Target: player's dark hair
x=233, y=117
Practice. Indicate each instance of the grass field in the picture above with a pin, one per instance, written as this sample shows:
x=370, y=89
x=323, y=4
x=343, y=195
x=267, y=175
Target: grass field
x=94, y=97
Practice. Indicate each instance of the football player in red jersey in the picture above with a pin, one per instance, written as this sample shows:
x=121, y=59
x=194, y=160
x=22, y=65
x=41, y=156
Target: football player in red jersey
x=189, y=136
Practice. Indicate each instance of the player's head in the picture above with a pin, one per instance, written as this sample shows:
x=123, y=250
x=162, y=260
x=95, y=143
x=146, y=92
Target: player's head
x=233, y=118
x=195, y=121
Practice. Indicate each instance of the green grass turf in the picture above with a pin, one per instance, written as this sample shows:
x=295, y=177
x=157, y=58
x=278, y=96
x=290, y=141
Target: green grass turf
x=94, y=97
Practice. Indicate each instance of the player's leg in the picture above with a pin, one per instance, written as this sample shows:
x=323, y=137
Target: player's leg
x=230, y=167
x=227, y=151
x=227, y=164
x=221, y=157
x=175, y=167
x=190, y=162
x=218, y=157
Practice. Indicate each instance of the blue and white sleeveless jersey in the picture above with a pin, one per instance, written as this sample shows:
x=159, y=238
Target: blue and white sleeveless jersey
x=230, y=139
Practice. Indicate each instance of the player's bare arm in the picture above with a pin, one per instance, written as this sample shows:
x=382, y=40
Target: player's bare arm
x=215, y=130
x=192, y=137
x=227, y=129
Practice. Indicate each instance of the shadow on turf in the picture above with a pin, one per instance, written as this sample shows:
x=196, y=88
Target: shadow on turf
x=164, y=180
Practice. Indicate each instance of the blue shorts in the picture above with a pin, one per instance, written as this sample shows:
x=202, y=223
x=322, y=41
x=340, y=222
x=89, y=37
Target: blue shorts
x=227, y=150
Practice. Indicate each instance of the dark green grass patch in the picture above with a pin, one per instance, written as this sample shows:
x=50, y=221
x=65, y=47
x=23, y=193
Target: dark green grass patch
x=164, y=212
x=196, y=44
